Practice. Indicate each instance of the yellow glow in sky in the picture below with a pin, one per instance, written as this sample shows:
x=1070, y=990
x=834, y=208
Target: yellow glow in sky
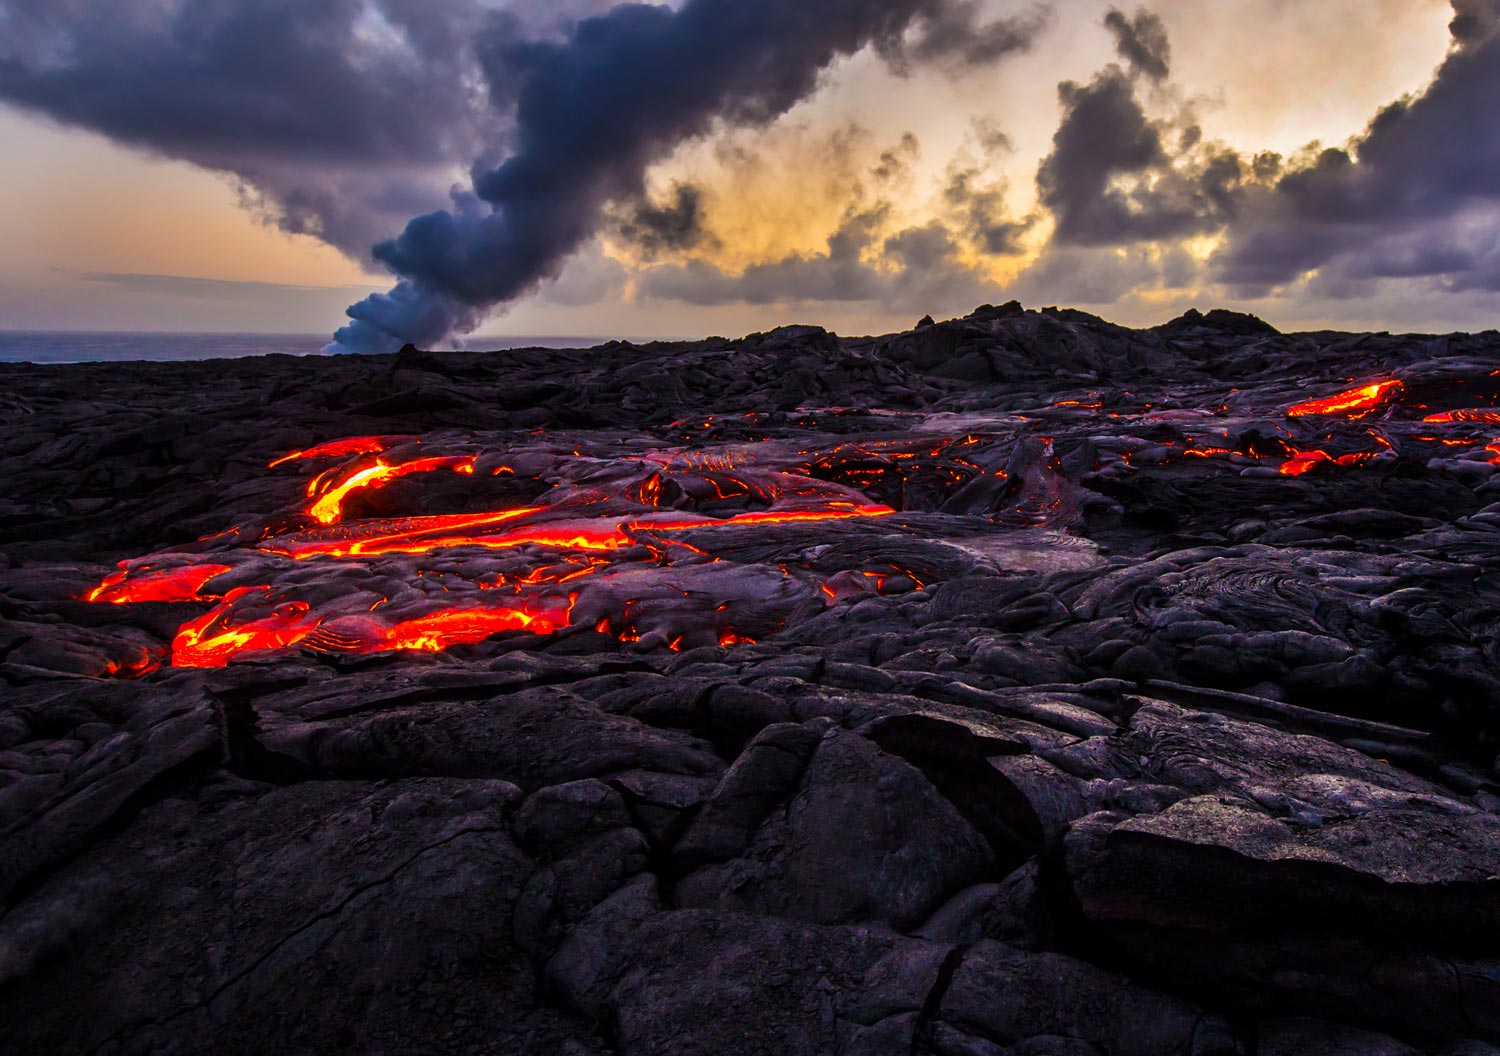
x=1260, y=74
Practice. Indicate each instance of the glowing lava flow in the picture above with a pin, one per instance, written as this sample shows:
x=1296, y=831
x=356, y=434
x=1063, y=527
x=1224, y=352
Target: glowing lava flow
x=1479, y=415
x=426, y=534
x=437, y=631
x=183, y=583
x=465, y=599
x=214, y=639
x=1305, y=461
x=1356, y=403
x=329, y=508
x=353, y=445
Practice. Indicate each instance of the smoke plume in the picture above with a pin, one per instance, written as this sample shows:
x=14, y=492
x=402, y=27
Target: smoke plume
x=592, y=113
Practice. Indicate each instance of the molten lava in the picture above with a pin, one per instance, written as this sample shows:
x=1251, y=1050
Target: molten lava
x=1306, y=461
x=145, y=583
x=606, y=530
x=437, y=631
x=217, y=637
x=353, y=445
x=1479, y=415
x=423, y=535
x=1356, y=403
x=329, y=508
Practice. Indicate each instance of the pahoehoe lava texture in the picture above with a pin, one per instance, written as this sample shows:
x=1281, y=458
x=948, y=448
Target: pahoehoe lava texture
x=1021, y=684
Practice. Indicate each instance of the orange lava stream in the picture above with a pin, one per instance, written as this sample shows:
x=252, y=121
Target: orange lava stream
x=261, y=619
x=439, y=532
x=1356, y=403
x=437, y=631
x=211, y=641
x=329, y=508
x=1477, y=415
x=183, y=583
x=1305, y=461
x=390, y=536
x=352, y=445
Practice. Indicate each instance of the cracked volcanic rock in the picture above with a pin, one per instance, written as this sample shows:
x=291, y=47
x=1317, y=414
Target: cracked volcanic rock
x=1022, y=685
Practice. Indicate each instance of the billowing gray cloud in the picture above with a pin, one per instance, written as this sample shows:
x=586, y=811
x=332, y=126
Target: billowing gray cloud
x=657, y=227
x=1116, y=176
x=956, y=37
x=1415, y=179
x=344, y=118
x=1142, y=41
x=592, y=113
x=1474, y=20
x=335, y=116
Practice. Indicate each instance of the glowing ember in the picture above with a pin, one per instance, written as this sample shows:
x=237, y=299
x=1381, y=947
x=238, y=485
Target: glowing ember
x=1356, y=403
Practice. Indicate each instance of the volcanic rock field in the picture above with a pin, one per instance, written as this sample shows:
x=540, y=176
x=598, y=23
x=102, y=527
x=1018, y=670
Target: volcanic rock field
x=1019, y=685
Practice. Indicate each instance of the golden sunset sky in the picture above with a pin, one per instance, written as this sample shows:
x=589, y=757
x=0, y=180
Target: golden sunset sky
x=100, y=235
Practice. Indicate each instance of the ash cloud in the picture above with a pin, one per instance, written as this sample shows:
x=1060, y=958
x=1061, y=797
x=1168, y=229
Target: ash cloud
x=957, y=37
x=344, y=118
x=592, y=113
x=671, y=226
x=334, y=117
x=1473, y=20
x=1117, y=176
x=1141, y=40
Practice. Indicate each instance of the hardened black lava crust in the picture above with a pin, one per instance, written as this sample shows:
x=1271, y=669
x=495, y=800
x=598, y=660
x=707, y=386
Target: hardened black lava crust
x=1019, y=684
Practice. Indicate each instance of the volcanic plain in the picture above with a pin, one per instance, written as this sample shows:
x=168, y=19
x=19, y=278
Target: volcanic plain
x=1019, y=685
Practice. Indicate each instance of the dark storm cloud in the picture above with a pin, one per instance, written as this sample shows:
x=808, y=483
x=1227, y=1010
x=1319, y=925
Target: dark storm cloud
x=337, y=117
x=1415, y=197
x=334, y=115
x=657, y=227
x=1141, y=41
x=1426, y=170
x=955, y=36
x=1116, y=176
x=1474, y=19
x=592, y=113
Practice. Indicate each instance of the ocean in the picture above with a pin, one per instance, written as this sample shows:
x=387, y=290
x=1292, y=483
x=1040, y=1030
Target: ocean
x=39, y=346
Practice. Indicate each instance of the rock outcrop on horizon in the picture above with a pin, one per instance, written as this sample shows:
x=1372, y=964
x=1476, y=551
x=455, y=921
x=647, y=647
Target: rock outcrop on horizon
x=1019, y=685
